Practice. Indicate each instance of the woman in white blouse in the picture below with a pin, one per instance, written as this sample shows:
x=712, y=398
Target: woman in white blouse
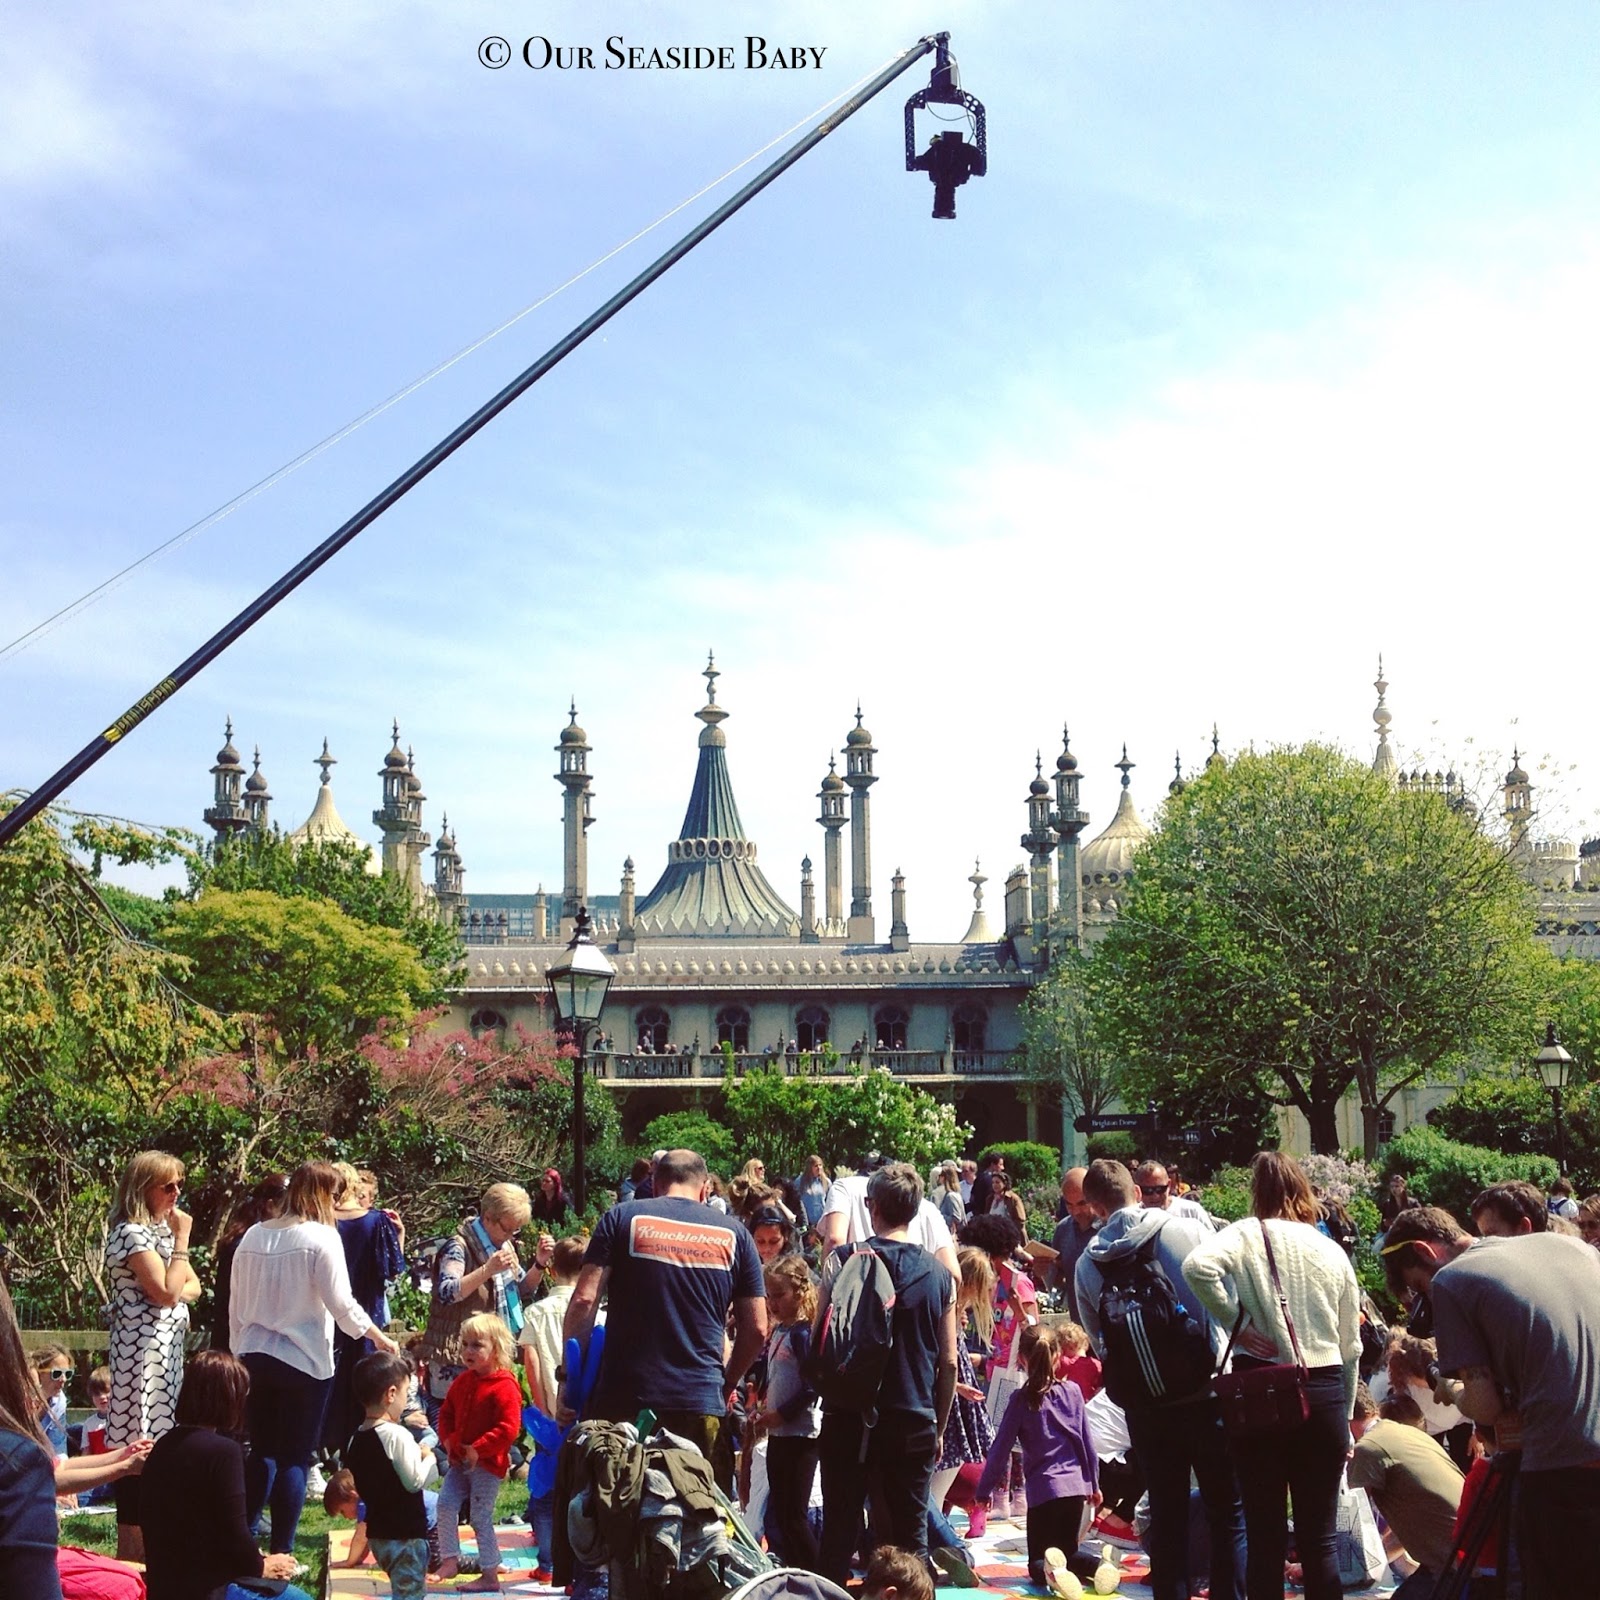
x=290, y=1285
x=1231, y=1275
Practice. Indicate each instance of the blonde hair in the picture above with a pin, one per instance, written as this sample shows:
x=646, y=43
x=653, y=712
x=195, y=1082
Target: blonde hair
x=1074, y=1341
x=369, y=1183
x=503, y=1201
x=139, y=1177
x=1038, y=1353
x=349, y=1183
x=46, y=1355
x=791, y=1272
x=977, y=1288
x=312, y=1187
x=494, y=1333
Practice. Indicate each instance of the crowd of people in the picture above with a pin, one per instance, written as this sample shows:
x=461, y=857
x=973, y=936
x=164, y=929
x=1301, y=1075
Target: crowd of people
x=869, y=1367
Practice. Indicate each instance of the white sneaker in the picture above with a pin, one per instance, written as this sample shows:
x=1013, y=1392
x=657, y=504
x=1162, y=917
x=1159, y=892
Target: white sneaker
x=316, y=1482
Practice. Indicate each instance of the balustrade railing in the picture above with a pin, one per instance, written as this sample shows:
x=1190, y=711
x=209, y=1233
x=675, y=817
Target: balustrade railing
x=709, y=1065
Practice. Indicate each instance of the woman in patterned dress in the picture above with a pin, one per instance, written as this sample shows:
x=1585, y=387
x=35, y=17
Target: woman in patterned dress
x=152, y=1285
x=969, y=1433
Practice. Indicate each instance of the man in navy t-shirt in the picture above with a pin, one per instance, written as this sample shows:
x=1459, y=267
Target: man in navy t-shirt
x=670, y=1268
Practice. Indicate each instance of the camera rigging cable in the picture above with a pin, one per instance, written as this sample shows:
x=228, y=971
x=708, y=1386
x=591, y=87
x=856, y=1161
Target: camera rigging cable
x=56, y=619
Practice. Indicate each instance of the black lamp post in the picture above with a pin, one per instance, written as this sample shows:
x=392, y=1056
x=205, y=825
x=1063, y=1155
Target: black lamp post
x=1553, y=1063
x=578, y=985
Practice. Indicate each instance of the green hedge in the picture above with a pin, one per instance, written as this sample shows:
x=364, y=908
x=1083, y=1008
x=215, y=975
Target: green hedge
x=1121, y=1147
x=1443, y=1172
x=1029, y=1165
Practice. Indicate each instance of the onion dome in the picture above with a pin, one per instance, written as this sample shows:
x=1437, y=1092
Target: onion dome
x=255, y=783
x=1515, y=775
x=1038, y=786
x=858, y=735
x=395, y=761
x=572, y=733
x=228, y=756
x=833, y=782
x=1177, y=786
x=1215, y=759
x=1066, y=761
x=1108, y=857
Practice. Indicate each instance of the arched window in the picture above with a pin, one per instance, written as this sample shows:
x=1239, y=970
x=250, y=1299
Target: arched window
x=733, y=1027
x=651, y=1029
x=486, y=1021
x=967, y=1028
x=811, y=1028
x=889, y=1028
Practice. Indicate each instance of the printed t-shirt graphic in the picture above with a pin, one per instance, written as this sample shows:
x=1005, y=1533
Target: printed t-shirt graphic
x=676, y=1267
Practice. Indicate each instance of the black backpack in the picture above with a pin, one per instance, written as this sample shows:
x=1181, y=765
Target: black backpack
x=853, y=1345
x=1156, y=1349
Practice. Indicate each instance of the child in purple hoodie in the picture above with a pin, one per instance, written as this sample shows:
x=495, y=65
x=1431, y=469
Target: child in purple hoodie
x=1046, y=1418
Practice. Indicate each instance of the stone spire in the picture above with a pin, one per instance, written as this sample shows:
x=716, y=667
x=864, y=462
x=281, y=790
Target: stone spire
x=1039, y=842
x=899, y=931
x=227, y=813
x=1068, y=820
x=833, y=818
x=859, y=776
x=394, y=815
x=447, y=876
x=1383, y=761
x=1518, y=810
x=808, y=904
x=257, y=797
x=576, y=817
x=978, y=930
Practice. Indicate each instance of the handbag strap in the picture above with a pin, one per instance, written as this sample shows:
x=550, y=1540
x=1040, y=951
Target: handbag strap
x=1283, y=1299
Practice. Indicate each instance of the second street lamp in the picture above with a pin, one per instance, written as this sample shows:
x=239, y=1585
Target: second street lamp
x=579, y=982
x=1554, y=1062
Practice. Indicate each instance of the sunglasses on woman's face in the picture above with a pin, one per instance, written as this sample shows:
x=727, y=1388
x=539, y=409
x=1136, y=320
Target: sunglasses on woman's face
x=60, y=1374
x=171, y=1188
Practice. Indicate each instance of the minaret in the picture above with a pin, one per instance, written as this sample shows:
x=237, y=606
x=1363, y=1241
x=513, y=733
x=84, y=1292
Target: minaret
x=1383, y=762
x=447, y=876
x=858, y=774
x=833, y=820
x=575, y=819
x=417, y=839
x=1177, y=786
x=808, y=904
x=625, y=908
x=1039, y=841
x=1216, y=758
x=257, y=797
x=899, y=933
x=1068, y=821
x=1518, y=811
x=394, y=815
x=227, y=813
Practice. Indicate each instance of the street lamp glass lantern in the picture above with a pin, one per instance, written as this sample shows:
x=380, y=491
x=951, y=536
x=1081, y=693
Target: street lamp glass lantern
x=580, y=980
x=1553, y=1061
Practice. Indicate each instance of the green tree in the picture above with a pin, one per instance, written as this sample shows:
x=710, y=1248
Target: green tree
x=299, y=977
x=1062, y=1047
x=93, y=1025
x=692, y=1130
x=784, y=1119
x=1298, y=926
x=1514, y=1116
x=331, y=870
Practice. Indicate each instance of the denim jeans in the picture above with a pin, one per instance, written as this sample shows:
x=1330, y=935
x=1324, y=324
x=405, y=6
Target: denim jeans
x=285, y=1411
x=1307, y=1465
x=542, y=1518
x=406, y=1563
x=1169, y=1441
x=478, y=1489
x=236, y=1591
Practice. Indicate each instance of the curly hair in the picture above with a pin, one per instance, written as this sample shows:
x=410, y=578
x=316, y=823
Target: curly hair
x=992, y=1232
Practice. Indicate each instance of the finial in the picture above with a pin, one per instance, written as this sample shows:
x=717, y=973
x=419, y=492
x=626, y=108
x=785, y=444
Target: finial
x=710, y=674
x=1216, y=741
x=1125, y=766
x=858, y=713
x=1038, y=763
x=411, y=759
x=256, y=757
x=977, y=880
x=397, y=730
x=227, y=732
x=805, y=866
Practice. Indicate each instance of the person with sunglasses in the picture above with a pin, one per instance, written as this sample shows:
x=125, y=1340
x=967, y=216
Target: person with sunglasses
x=1159, y=1193
x=152, y=1286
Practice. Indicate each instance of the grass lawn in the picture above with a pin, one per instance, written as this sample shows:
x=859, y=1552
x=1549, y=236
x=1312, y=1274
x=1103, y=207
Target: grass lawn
x=99, y=1532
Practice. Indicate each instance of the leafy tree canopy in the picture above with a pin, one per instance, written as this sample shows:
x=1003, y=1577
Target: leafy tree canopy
x=316, y=979
x=336, y=871
x=1298, y=926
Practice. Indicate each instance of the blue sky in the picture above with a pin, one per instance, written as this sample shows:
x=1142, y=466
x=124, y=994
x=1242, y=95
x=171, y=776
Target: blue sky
x=1267, y=345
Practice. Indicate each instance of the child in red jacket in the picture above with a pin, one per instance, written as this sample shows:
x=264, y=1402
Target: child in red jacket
x=478, y=1423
